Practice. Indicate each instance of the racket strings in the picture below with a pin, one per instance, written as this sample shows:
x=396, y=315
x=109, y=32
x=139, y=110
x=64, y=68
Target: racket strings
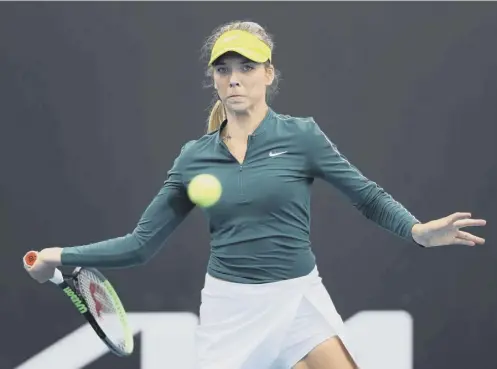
x=103, y=307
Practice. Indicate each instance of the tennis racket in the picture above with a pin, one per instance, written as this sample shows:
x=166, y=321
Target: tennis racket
x=95, y=298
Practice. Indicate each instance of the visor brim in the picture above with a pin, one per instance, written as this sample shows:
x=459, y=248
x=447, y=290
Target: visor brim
x=250, y=54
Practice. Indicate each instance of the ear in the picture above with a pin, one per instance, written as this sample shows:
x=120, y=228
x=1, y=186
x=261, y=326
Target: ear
x=270, y=75
x=214, y=82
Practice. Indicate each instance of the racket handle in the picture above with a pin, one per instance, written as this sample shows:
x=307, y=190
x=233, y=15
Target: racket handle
x=30, y=258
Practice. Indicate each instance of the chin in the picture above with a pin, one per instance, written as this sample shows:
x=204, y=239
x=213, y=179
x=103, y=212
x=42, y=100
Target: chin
x=240, y=108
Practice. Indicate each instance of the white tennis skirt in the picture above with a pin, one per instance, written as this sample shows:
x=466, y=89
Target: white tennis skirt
x=264, y=326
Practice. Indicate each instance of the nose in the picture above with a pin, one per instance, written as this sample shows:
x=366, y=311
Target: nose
x=234, y=80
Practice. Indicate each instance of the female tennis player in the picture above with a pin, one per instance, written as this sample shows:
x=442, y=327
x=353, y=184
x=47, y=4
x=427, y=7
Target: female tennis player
x=263, y=303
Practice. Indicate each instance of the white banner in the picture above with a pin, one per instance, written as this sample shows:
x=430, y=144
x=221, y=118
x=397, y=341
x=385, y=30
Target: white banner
x=380, y=339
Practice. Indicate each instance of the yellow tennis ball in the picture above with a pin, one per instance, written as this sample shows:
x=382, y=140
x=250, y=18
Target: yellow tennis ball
x=204, y=190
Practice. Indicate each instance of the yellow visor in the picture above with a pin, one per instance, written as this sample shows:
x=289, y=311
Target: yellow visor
x=243, y=43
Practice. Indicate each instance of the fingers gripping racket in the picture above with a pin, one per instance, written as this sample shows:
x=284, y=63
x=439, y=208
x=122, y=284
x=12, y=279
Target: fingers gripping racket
x=95, y=298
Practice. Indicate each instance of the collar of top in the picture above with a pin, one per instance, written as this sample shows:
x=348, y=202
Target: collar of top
x=261, y=128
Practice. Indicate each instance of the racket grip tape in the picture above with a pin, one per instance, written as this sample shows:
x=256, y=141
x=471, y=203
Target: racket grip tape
x=29, y=260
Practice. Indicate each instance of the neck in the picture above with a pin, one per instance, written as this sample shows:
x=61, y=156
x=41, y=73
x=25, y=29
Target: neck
x=242, y=125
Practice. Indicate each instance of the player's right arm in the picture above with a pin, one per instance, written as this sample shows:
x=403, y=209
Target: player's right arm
x=166, y=211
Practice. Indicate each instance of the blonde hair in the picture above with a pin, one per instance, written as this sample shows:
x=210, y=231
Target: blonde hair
x=217, y=114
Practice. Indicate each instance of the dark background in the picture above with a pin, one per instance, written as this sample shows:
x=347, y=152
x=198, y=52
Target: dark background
x=96, y=100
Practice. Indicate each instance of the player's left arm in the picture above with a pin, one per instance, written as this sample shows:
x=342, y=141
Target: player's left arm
x=326, y=162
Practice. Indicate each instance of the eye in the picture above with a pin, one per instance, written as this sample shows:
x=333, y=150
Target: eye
x=247, y=68
x=221, y=69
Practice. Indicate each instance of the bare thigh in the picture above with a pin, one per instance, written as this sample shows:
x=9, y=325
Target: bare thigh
x=331, y=354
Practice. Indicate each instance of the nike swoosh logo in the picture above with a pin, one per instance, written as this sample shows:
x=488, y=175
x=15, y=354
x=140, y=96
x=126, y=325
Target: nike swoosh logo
x=271, y=154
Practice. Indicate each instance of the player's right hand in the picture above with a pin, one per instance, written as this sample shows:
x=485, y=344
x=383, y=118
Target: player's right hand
x=44, y=267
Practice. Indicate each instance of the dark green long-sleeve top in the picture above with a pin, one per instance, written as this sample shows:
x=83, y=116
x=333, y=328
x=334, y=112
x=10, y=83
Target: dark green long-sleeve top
x=260, y=227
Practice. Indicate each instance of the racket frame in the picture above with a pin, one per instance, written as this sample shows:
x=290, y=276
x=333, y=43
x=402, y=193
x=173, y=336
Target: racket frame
x=79, y=302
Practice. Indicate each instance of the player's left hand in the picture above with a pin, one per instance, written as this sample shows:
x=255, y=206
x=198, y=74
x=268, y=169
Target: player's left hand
x=446, y=231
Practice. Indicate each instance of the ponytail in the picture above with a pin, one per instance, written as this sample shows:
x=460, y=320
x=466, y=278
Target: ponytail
x=216, y=117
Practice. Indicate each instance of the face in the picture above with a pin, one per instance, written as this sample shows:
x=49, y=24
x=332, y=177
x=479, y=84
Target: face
x=240, y=83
